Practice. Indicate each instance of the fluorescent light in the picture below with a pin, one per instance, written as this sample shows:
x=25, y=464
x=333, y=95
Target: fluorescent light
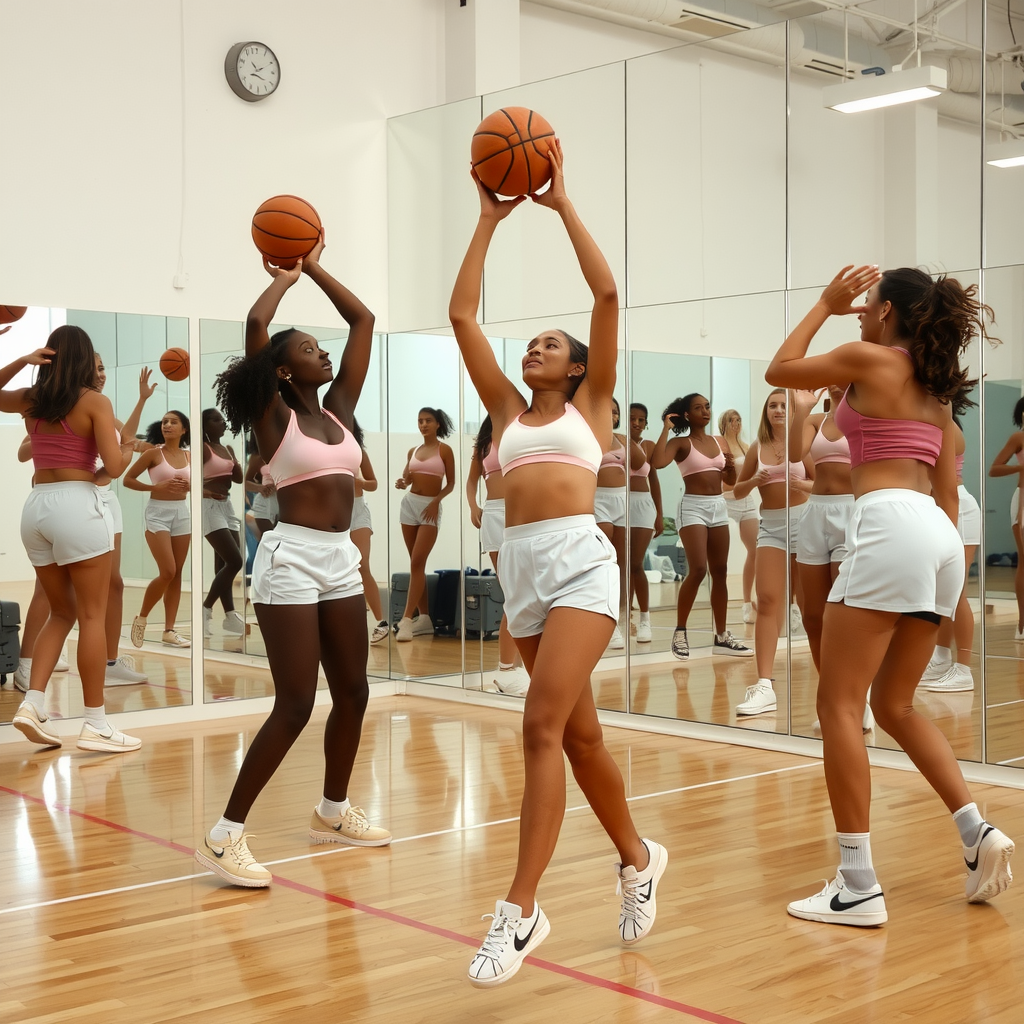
x=1007, y=154
x=871, y=91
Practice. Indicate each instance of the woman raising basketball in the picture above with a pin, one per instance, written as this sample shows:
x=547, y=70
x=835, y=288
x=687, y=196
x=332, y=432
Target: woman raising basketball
x=427, y=466
x=560, y=576
x=306, y=587
x=905, y=565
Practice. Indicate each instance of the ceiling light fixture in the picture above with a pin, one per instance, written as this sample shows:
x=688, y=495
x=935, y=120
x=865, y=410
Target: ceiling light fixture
x=1006, y=154
x=871, y=92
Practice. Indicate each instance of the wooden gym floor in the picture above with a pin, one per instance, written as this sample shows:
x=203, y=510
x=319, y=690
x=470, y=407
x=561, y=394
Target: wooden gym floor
x=104, y=916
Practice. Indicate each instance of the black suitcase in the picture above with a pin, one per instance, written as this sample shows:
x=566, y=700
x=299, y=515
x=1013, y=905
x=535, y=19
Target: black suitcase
x=444, y=606
x=10, y=643
x=485, y=604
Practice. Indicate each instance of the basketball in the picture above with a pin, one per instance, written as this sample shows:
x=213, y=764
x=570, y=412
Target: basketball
x=174, y=364
x=285, y=229
x=8, y=314
x=510, y=151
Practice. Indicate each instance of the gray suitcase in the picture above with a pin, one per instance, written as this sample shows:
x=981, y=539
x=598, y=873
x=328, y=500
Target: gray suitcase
x=10, y=642
x=485, y=604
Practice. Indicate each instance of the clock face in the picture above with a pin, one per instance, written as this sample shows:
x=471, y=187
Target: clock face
x=258, y=70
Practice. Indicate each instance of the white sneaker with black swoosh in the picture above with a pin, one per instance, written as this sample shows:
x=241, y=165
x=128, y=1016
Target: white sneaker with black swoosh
x=836, y=904
x=510, y=940
x=988, y=865
x=639, y=894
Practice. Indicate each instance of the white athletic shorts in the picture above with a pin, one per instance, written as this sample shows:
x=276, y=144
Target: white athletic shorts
x=610, y=505
x=264, y=506
x=742, y=508
x=113, y=507
x=702, y=510
x=642, y=511
x=360, y=516
x=297, y=565
x=556, y=563
x=904, y=555
x=1015, y=508
x=822, y=534
x=969, y=521
x=219, y=515
x=171, y=517
x=492, y=524
x=772, y=531
x=66, y=522
x=410, y=512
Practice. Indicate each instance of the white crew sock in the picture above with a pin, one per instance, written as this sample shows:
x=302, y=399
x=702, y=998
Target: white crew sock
x=35, y=698
x=969, y=822
x=331, y=809
x=942, y=655
x=96, y=717
x=226, y=830
x=855, y=860
x=645, y=618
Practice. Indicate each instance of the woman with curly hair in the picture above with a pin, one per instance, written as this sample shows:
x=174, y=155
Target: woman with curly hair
x=905, y=565
x=306, y=586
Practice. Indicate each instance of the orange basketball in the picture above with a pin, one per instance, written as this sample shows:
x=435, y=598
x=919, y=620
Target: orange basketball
x=510, y=151
x=285, y=229
x=174, y=364
x=8, y=314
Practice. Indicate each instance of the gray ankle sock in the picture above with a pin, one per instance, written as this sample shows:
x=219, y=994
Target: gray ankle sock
x=969, y=822
x=855, y=860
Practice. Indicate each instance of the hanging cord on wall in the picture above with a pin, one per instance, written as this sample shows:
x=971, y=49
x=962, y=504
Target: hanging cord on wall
x=1009, y=22
x=180, y=277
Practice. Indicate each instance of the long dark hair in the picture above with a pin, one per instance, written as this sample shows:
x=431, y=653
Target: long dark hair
x=154, y=435
x=482, y=444
x=247, y=387
x=444, y=423
x=357, y=432
x=679, y=407
x=1018, y=414
x=58, y=386
x=938, y=319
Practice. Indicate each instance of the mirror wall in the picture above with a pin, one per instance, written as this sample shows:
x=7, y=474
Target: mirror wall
x=128, y=344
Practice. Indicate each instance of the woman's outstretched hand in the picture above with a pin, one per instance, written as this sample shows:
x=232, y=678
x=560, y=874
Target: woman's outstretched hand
x=554, y=195
x=289, y=276
x=490, y=205
x=846, y=286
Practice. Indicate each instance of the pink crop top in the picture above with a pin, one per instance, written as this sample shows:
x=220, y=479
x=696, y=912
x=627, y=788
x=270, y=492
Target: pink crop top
x=63, y=451
x=959, y=460
x=616, y=457
x=433, y=466
x=217, y=465
x=777, y=474
x=490, y=463
x=698, y=462
x=301, y=457
x=874, y=438
x=824, y=450
x=568, y=440
x=643, y=471
x=163, y=471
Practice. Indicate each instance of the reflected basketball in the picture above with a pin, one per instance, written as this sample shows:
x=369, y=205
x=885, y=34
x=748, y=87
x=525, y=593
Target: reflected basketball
x=285, y=229
x=8, y=314
x=174, y=364
x=510, y=151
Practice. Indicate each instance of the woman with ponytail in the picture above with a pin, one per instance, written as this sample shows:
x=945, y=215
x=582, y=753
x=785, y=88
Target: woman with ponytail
x=306, y=586
x=905, y=565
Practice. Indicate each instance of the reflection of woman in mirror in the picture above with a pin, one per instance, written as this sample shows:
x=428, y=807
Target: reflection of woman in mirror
x=610, y=510
x=742, y=511
x=943, y=674
x=767, y=468
x=559, y=577
x=511, y=677
x=702, y=519
x=168, y=521
x=905, y=566
x=220, y=524
x=306, y=586
x=427, y=465
x=260, y=485
x=645, y=516
x=361, y=530
x=1014, y=449
x=66, y=528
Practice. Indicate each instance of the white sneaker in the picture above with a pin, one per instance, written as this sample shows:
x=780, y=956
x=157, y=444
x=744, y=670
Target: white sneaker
x=380, y=631
x=110, y=740
x=172, y=638
x=957, y=678
x=509, y=941
x=33, y=723
x=138, y=633
x=936, y=669
x=617, y=642
x=513, y=681
x=988, y=865
x=639, y=894
x=643, y=633
x=759, y=698
x=836, y=904
x=207, y=621
x=796, y=620
x=749, y=615
x=22, y=675
x=63, y=664
x=233, y=623
x=422, y=626
x=123, y=673
x=404, y=630
x=233, y=861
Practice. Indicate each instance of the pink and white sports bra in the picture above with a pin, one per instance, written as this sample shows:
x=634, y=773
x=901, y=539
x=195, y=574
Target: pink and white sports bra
x=490, y=463
x=616, y=457
x=698, y=462
x=568, y=440
x=824, y=450
x=216, y=465
x=163, y=471
x=63, y=451
x=777, y=474
x=432, y=466
x=300, y=457
x=643, y=471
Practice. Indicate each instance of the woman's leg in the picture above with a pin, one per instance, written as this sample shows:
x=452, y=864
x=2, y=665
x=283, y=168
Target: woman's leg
x=748, y=534
x=225, y=543
x=172, y=595
x=361, y=539
x=508, y=653
x=35, y=618
x=91, y=581
x=422, y=543
x=772, y=607
x=817, y=582
x=618, y=539
x=695, y=544
x=160, y=546
x=115, y=601
x=59, y=596
x=718, y=566
x=963, y=615
x=1018, y=576
x=639, y=539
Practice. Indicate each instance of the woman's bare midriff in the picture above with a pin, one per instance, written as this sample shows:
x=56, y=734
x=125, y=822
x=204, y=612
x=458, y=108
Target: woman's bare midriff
x=425, y=484
x=832, y=478
x=773, y=496
x=905, y=474
x=704, y=485
x=323, y=503
x=494, y=487
x=548, y=490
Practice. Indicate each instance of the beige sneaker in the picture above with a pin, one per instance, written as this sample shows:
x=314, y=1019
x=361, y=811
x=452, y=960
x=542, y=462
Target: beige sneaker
x=33, y=724
x=110, y=740
x=405, y=632
x=138, y=633
x=351, y=828
x=233, y=861
x=172, y=638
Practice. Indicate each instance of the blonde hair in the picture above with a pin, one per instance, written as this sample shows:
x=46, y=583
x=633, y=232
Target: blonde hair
x=723, y=423
x=765, y=434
